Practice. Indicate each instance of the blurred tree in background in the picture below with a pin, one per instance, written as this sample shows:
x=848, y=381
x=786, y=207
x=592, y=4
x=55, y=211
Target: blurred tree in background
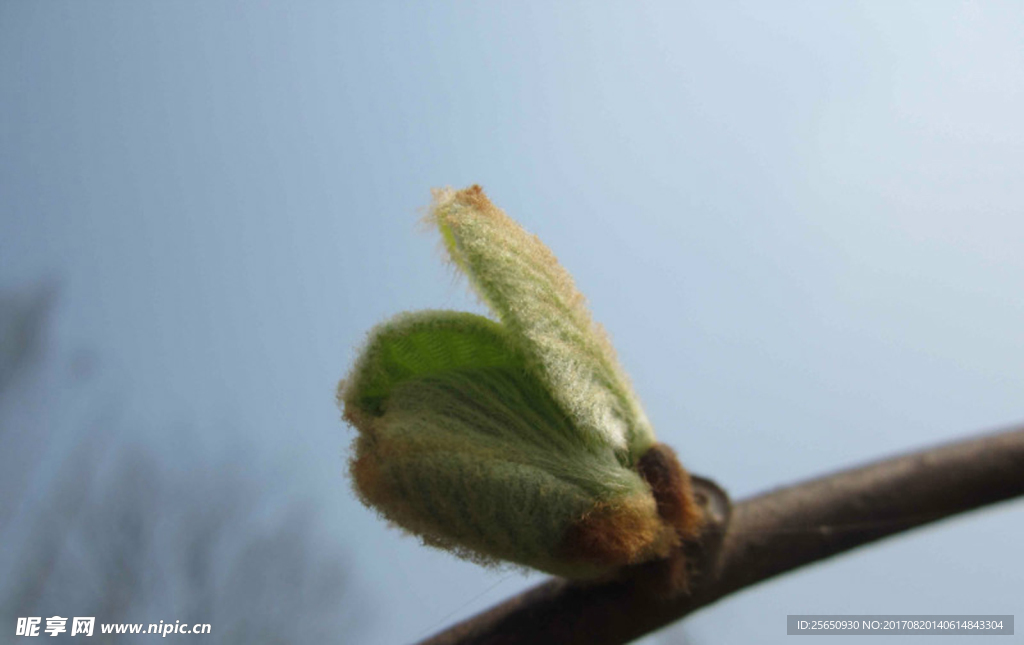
x=90, y=526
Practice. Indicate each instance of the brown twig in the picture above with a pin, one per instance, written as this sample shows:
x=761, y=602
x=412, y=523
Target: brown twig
x=767, y=535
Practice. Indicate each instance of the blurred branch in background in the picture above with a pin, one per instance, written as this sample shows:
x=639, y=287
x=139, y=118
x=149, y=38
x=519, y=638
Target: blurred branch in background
x=23, y=318
x=90, y=528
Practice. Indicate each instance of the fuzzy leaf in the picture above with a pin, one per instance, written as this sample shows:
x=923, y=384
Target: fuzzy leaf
x=461, y=443
x=537, y=301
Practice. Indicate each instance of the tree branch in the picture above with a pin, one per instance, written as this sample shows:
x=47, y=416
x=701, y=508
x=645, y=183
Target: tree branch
x=767, y=535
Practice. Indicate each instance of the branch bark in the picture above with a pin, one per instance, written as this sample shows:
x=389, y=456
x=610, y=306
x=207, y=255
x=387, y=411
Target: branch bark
x=767, y=535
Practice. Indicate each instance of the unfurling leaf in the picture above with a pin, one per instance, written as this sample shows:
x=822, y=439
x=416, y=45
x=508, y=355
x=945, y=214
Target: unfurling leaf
x=517, y=440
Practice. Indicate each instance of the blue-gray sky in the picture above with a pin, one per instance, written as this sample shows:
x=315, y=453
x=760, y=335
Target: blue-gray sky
x=800, y=222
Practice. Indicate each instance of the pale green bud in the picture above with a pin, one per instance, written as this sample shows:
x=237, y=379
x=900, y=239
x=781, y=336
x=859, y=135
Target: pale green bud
x=517, y=440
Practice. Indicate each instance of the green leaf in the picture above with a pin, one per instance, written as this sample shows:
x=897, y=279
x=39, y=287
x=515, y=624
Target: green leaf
x=537, y=301
x=463, y=445
x=420, y=344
